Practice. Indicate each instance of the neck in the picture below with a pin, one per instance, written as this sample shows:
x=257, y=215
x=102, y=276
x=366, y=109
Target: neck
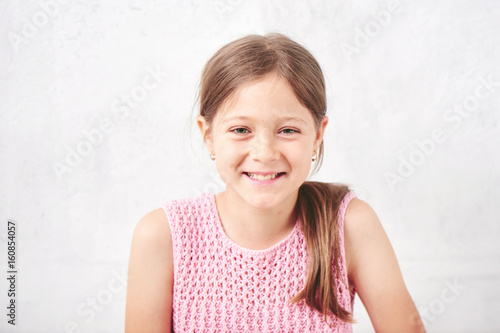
x=253, y=228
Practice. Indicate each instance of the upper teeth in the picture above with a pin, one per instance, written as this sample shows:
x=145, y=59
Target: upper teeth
x=262, y=177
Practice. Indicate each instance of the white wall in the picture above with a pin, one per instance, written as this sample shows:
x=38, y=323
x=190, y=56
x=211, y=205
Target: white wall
x=66, y=68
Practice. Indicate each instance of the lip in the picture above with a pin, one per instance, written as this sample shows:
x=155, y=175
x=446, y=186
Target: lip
x=265, y=173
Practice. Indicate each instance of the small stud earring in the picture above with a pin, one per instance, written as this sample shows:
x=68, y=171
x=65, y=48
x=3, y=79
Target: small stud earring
x=212, y=156
x=314, y=157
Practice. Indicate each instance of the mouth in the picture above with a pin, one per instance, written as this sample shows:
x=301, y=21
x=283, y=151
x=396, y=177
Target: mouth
x=266, y=176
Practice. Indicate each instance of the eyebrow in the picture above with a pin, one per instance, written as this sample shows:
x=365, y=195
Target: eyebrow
x=248, y=118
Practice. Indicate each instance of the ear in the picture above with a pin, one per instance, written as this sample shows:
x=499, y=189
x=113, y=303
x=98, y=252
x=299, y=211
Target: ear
x=319, y=133
x=205, y=132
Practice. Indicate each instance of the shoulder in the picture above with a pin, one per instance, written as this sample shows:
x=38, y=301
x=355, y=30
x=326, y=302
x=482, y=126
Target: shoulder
x=359, y=216
x=149, y=224
x=362, y=231
x=150, y=275
x=373, y=271
x=178, y=208
x=152, y=233
x=358, y=212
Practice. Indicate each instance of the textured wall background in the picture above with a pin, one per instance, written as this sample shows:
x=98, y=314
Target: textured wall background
x=96, y=130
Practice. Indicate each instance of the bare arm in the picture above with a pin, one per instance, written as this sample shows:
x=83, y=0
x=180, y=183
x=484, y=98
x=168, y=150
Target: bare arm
x=374, y=271
x=150, y=276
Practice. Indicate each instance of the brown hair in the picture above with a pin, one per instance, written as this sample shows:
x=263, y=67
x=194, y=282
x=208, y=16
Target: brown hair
x=251, y=58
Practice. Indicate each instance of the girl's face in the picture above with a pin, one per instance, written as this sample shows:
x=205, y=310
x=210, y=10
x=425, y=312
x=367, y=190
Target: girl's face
x=263, y=139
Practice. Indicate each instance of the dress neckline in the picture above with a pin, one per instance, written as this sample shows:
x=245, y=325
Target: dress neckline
x=233, y=245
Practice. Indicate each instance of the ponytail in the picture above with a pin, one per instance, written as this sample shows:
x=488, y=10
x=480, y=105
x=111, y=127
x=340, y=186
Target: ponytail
x=318, y=206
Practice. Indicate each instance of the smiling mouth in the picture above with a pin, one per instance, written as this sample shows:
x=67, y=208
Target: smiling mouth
x=264, y=177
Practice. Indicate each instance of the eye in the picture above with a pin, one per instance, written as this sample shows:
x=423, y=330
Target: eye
x=289, y=131
x=239, y=130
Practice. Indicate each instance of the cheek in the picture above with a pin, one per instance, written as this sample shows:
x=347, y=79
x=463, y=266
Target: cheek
x=298, y=151
x=228, y=151
x=299, y=156
x=227, y=160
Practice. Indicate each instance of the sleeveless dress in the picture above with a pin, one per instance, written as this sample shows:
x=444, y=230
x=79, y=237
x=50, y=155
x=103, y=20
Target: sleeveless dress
x=220, y=286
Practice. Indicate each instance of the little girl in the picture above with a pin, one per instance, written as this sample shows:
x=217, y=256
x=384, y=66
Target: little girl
x=272, y=252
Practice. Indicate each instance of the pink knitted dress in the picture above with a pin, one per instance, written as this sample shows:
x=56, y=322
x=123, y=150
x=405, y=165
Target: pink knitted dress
x=220, y=286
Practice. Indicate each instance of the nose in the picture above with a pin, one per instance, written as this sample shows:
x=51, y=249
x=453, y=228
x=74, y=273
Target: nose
x=263, y=148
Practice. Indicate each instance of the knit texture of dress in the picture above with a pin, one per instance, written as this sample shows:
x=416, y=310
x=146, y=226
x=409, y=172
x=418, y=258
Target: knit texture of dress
x=220, y=286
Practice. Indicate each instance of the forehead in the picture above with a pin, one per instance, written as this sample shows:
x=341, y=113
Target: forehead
x=270, y=97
